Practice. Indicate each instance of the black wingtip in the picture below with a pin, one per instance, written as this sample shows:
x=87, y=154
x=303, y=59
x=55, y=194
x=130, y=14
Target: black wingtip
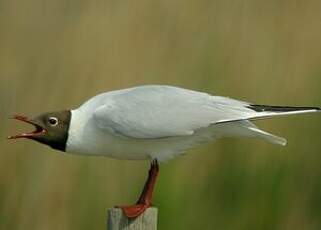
x=272, y=108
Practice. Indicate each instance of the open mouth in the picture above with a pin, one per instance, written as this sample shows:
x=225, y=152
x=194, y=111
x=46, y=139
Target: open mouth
x=39, y=130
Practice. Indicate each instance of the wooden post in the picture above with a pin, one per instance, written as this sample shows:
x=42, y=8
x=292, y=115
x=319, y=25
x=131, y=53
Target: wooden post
x=118, y=221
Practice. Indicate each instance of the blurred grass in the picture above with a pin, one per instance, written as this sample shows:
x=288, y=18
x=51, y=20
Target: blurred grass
x=56, y=54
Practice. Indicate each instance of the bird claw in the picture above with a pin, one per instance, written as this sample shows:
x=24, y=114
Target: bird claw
x=145, y=199
x=134, y=211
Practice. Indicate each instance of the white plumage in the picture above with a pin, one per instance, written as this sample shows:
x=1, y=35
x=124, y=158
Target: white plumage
x=161, y=122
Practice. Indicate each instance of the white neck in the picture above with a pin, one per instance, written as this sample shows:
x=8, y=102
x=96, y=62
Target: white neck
x=75, y=131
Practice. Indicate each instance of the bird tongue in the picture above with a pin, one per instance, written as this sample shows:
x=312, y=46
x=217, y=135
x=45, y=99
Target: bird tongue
x=38, y=129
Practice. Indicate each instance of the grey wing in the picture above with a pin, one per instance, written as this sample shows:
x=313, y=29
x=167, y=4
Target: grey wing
x=166, y=111
x=163, y=111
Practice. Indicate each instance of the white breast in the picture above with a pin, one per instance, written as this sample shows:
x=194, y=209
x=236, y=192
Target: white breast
x=85, y=138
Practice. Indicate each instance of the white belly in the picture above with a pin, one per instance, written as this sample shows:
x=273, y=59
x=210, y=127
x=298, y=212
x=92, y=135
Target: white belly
x=91, y=140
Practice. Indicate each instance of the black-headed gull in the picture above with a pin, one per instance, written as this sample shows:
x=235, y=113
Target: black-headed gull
x=152, y=122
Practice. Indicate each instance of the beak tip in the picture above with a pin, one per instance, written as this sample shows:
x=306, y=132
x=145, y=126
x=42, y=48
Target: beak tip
x=39, y=130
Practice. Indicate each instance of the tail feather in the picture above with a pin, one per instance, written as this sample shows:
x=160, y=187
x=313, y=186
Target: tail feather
x=266, y=111
x=246, y=129
x=268, y=136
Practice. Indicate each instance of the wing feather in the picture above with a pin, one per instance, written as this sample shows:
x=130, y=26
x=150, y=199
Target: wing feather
x=167, y=111
x=163, y=111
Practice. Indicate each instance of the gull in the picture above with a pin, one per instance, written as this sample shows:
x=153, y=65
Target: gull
x=151, y=122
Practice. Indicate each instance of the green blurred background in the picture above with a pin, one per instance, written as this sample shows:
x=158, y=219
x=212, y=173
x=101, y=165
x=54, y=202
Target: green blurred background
x=56, y=54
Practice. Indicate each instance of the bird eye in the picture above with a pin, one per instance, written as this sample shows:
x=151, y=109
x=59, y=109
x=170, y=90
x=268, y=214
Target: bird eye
x=53, y=121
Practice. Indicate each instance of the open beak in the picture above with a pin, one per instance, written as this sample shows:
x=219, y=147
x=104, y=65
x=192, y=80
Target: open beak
x=39, y=130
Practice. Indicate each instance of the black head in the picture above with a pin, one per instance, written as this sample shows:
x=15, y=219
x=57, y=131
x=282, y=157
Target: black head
x=51, y=128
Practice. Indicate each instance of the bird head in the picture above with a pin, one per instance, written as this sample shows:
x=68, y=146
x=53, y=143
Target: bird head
x=50, y=128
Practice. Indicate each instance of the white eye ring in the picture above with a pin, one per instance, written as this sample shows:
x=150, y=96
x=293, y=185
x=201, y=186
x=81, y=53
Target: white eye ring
x=53, y=121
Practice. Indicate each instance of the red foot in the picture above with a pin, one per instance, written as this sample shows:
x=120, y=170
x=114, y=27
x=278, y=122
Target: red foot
x=145, y=198
x=134, y=210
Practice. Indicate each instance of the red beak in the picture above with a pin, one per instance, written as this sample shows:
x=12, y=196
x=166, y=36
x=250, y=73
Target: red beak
x=37, y=132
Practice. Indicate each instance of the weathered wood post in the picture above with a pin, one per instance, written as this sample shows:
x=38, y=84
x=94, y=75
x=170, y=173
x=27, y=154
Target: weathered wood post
x=118, y=221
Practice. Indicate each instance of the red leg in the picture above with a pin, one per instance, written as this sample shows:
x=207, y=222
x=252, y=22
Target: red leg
x=145, y=199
